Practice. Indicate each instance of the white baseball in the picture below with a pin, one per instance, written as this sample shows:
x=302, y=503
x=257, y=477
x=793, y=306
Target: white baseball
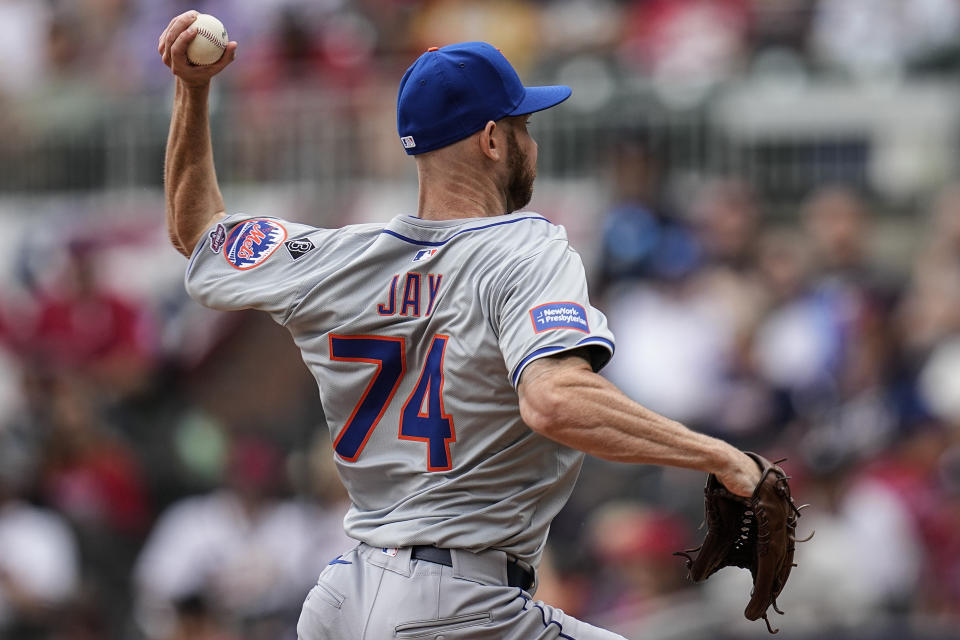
x=211, y=40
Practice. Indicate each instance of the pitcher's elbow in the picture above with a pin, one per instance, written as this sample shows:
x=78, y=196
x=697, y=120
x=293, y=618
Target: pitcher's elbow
x=543, y=410
x=175, y=241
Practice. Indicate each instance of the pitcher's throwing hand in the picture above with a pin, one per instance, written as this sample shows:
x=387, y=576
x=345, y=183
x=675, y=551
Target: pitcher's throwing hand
x=172, y=47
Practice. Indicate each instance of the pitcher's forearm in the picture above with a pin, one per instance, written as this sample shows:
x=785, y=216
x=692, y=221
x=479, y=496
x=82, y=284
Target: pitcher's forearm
x=193, y=196
x=565, y=400
x=562, y=398
x=596, y=417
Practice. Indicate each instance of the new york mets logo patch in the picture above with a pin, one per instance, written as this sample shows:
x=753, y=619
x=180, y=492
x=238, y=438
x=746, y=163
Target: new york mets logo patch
x=252, y=242
x=559, y=315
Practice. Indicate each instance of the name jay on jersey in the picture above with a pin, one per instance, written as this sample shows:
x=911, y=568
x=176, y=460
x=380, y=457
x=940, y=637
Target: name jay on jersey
x=405, y=295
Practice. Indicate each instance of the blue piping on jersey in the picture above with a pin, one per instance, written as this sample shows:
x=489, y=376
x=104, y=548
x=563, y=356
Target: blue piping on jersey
x=543, y=617
x=543, y=350
x=427, y=243
x=538, y=352
x=602, y=341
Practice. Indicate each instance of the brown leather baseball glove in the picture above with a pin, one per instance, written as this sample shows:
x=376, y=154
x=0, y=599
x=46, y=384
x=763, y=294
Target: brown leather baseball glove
x=756, y=533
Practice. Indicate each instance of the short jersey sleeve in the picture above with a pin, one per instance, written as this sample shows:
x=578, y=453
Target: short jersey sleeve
x=544, y=309
x=245, y=262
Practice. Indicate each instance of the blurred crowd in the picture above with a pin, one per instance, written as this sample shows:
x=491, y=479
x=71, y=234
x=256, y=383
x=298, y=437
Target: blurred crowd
x=102, y=47
x=82, y=81
x=165, y=471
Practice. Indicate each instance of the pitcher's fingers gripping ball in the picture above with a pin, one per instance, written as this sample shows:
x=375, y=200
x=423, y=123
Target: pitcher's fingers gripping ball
x=756, y=533
x=182, y=34
x=210, y=43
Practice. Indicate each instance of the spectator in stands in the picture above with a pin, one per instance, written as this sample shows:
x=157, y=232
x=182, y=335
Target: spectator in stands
x=513, y=25
x=92, y=475
x=23, y=28
x=641, y=237
x=876, y=38
x=73, y=323
x=791, y=350
x=837, y=221
x=726, y=217
x=687, y=44
x=930, y=311
x=39, y=562
x=89, y=472
x=671, y=347
x=633, y=546
x=928, y=318
x=783, y=352
x=694, y=303
x=196, y=621
x=857, y=298
x=89, y=617
x=249, y=552
x=829, y=347
x=912, y=474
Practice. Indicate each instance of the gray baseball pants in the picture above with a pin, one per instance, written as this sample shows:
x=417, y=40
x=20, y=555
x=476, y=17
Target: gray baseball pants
x=375, y=594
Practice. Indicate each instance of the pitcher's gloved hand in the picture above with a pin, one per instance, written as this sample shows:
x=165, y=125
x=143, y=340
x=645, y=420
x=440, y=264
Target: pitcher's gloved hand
x=756, y=533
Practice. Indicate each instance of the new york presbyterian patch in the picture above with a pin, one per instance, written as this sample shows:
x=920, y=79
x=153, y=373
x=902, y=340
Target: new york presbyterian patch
x=253, y=241
x=559, y=315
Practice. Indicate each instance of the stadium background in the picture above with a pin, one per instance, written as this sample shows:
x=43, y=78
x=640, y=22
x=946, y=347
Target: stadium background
x=762, y=191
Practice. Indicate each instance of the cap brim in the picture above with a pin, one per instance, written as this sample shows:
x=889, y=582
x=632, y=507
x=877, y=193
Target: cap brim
x=540, y=98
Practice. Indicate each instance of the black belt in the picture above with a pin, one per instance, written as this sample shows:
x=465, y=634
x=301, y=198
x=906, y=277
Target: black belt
x=517, y=576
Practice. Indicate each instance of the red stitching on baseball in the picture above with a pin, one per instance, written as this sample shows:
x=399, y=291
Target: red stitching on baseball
x=212, y=38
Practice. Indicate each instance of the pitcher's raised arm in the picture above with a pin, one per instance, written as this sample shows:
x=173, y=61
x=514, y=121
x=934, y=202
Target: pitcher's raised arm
x=193, y=199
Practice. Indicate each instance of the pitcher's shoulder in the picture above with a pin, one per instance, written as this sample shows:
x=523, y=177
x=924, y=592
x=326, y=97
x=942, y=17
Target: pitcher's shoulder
x=525, y=231
x=354, y=236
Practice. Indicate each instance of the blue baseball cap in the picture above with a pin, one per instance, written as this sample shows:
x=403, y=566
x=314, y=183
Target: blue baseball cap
x=451, y=92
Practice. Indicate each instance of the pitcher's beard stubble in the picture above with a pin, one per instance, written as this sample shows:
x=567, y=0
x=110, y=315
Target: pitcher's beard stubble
x=520, y=187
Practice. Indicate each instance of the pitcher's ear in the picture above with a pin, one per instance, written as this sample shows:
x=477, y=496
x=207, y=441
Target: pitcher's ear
x=488, y=141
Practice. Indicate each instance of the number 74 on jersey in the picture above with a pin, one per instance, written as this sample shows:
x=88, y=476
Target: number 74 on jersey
x=422, y=418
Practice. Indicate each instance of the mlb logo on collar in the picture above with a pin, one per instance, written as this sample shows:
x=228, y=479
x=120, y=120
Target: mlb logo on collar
x=424, y=254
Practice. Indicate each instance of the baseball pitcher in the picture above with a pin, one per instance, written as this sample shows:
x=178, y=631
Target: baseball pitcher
x=456, y=353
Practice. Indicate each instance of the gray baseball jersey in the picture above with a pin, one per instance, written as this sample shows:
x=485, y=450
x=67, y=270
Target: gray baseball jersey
x=417, y=333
